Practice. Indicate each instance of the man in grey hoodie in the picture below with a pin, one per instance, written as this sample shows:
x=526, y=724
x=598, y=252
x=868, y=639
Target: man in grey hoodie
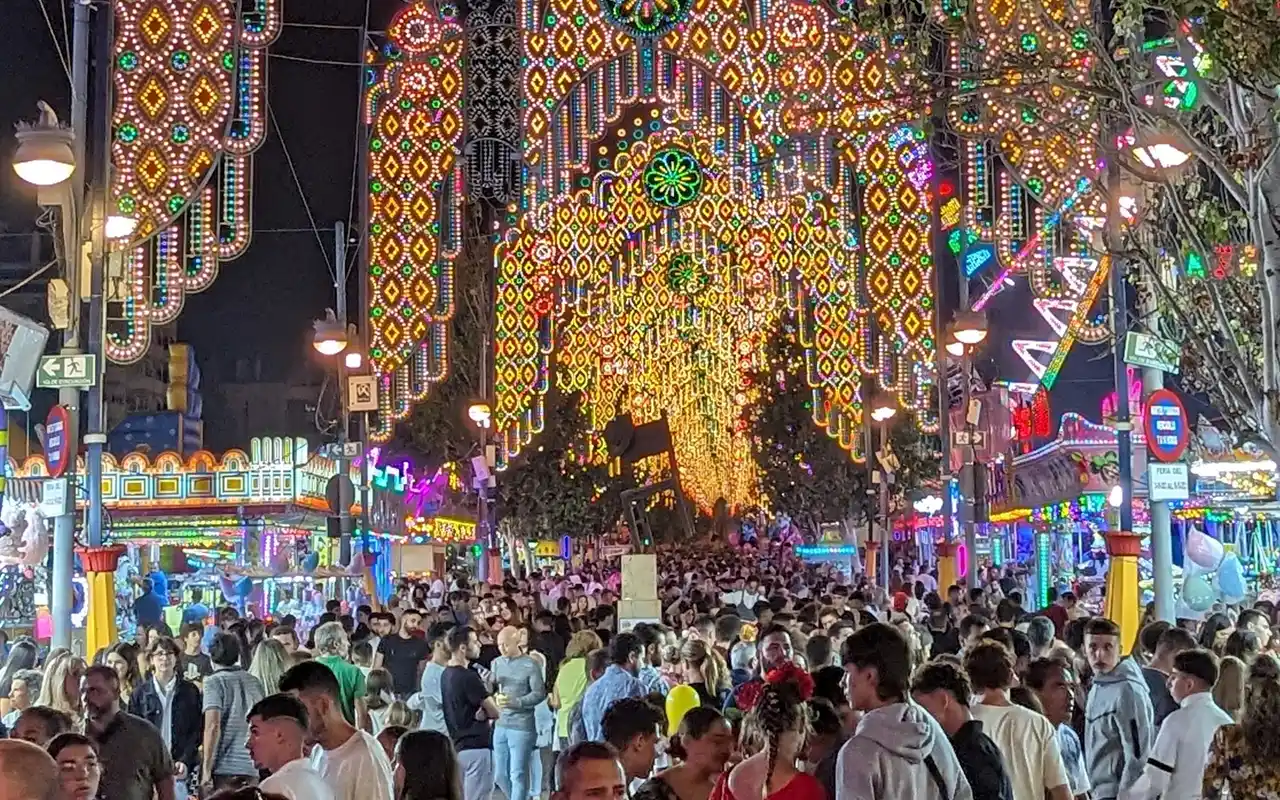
x=898, y=750
x=1119, y=720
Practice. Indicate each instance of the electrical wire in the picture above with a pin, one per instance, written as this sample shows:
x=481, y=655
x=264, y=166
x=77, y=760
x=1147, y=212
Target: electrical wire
x=323, y=26
x=271, y=112
x=28, y=279
x=320, y=61
x=359, y=144
x=57, y=46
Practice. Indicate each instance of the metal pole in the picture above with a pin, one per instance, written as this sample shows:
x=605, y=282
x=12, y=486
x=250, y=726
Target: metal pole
x=1161, y=517
x=95, y=437
x=64, y=528
x=483, y=535
x=968, y=482
x=344, y=426
x=1120, y=328
x=886, y=530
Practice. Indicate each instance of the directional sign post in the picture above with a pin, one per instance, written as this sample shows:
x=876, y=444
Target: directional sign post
x=78, y=371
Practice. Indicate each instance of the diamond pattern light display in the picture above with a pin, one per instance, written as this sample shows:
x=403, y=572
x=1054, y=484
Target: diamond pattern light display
x=415, y=112
x=1031, y=160
x=189, y=79
x=693, y=173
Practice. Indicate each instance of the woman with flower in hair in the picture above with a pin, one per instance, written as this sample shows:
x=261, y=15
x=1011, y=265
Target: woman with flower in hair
x=777, y=722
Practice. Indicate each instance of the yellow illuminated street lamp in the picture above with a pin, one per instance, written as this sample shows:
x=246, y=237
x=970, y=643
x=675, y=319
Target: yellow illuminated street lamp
x=480, y=414
x=330, y=336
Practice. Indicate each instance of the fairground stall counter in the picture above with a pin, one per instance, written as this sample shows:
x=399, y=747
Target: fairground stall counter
x=439, y=521
x=1227, y=535
x=1055, y=509
x=191, y=523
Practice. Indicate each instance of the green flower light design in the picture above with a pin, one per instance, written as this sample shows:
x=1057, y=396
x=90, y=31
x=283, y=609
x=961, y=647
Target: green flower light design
x=647, y=18
x=673, y=178
x=685, y=277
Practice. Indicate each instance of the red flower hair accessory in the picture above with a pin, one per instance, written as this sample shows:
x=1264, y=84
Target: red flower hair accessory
x=792, y=673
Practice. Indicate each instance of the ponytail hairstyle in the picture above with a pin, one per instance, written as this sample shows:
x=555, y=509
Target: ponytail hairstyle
x=709, y=661
x=780, y=708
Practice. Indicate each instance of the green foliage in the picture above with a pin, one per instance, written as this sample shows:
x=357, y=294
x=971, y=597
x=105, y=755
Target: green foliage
x=547, y=491
x=803, y=471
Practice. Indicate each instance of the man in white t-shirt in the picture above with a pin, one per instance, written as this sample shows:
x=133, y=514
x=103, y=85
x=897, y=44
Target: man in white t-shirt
x=351, y=761
x=1027, y=740
x=436, y=596
x=277, y=743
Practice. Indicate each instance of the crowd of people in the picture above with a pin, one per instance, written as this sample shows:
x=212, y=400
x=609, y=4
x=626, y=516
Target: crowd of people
x=765, y=678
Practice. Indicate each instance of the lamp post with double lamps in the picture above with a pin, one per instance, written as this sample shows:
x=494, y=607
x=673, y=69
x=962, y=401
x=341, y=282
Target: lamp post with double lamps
x=968, y=330
x=50, y=157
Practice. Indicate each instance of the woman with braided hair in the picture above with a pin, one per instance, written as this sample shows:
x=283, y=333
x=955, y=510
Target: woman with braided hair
x=778, y=721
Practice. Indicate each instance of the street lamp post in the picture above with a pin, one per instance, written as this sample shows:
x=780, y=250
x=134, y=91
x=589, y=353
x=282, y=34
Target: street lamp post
x=1164, y=157
x=481, y=415
x=879, y=410
x=49, y=156
x=967, y=330
x=331, y=339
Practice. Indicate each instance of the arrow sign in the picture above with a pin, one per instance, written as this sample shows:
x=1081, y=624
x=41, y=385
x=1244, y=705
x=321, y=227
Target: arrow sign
x=75, y=371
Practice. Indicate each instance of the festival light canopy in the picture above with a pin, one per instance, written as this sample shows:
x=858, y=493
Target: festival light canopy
x=695, y=170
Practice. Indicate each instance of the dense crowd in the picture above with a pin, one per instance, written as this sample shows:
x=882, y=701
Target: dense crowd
x=764, y=678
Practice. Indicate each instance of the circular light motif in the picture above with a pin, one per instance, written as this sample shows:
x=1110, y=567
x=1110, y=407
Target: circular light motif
x=673, y=178
x=647, y=18
x=685, y=276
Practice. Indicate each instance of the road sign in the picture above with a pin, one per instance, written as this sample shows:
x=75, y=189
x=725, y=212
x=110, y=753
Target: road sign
x=54, y=496
x=1168, y=481
x=1166, y=426
x=67, y=372
x=352, y=450
x=362, y=393
x=1145, y=350
x=57, y=441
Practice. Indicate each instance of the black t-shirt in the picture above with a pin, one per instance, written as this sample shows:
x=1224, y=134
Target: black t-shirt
x=488, y=652
x=550, y=645
x=982, y=763
x=945, y=642
x=197, y=667
x=462, y=693
x=401, y=657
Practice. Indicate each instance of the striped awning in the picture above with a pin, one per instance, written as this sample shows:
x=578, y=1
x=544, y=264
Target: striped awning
x=28, y=490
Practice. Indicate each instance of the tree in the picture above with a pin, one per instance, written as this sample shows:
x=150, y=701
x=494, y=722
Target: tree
x=550, y=489
x=803, y=471
x=1194, y=79
x=1208, y=246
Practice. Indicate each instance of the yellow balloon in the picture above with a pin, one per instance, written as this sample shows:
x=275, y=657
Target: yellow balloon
x=679, y=701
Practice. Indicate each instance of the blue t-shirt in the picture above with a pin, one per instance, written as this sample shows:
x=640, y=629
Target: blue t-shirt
x=147, y=610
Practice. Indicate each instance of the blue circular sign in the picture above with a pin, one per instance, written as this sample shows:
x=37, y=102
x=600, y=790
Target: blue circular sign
x=1166, y=426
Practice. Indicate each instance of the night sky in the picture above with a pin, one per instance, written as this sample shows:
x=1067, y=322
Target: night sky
x=261, y=305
